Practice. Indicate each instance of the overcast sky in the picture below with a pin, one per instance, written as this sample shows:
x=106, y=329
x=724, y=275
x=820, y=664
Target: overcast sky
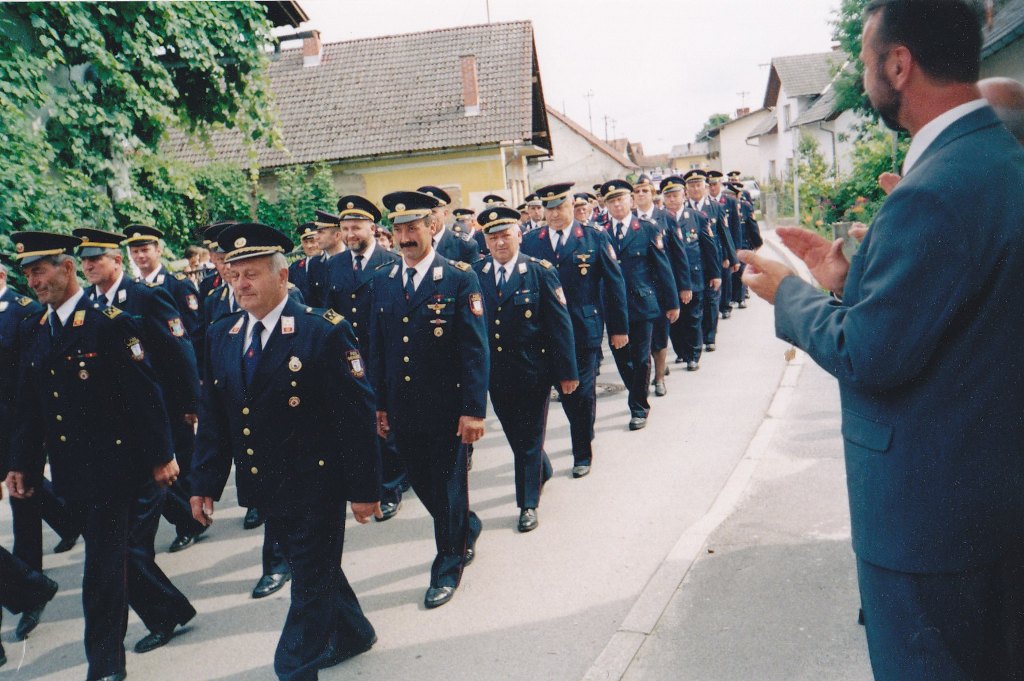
x=659, y=69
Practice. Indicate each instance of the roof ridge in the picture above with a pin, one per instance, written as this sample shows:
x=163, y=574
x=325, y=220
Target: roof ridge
x=447, y=29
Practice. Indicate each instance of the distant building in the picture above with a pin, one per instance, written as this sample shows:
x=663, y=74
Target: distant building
x=1003, y=51
x=461, y=108
x=690, y=156
x=579, y=157
x=729, y=147
x=801, y=100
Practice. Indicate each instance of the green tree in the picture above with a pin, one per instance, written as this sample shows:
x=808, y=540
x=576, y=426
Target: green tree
x=88, y=92
x=714, y=120
x=848, y=25
x=300, y=192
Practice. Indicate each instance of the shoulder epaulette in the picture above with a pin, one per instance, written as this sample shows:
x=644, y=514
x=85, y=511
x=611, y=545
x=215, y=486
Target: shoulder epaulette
x=152, y=284
x=546, y=265
x=382, y=266
x=111, y=311
x=461, y=265
x=24, y=301
x=291, y=285
x=210, y=292
x=180, y=276
x=332, y=316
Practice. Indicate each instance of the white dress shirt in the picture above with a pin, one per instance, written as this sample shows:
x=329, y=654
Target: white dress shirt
x=65, y=310
x=269, y=323
x=108, y=295
x=422, y=267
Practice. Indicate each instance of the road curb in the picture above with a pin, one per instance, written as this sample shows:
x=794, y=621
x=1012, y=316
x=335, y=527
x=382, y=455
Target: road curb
x=617, y=656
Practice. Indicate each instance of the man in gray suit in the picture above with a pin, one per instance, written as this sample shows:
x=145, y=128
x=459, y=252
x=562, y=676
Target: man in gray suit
x=923, y=333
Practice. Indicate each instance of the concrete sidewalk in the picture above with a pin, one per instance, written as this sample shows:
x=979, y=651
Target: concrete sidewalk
x=773, y=594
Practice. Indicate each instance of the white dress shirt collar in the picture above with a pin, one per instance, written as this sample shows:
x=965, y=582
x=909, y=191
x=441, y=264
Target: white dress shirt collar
x=421, y=269
x=3, y=290
x=510, y=267
x=935, y=127
x=269, y=323
x=367, y=253
x=151, y=277
x=111, y=290
x=65, y=310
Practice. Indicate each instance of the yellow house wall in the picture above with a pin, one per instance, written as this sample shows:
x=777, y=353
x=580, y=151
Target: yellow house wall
x=463, y=175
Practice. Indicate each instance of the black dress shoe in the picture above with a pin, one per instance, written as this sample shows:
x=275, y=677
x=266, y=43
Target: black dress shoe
x=742, y=305
x=338, y=655
x=710, y=347
x=30, y=618
x=527, y=519
x=692, y=366
x=185, y=540
x=270, y=584
x=253, y=519
x=680, y=360
x=388, y=510
x=581, y=471
x=154, y=640
x=659, y=389
x=65, y=544
x=726, y=314
x=437, y=596
x=470, y=548
x=637, y=422
x=119, y=676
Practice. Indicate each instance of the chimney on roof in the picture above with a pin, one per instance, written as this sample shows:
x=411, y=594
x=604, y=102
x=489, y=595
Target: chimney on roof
x=470, y=87
x=740, y=113
x=312, y=49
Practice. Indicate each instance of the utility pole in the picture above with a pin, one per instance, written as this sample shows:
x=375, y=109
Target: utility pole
x=613, y=129
x=743, y=99
x=606, y=128
x=590, y=114
x=488, y=4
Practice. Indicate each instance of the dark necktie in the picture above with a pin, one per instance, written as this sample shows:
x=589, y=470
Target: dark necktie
x=501, y=280
x=55, y=328
x=252, y=354
x=410, y=290
x=618, y=231
x=359, y=263
x=558, y=243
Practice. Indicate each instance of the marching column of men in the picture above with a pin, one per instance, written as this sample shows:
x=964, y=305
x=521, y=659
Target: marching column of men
x=380, y=382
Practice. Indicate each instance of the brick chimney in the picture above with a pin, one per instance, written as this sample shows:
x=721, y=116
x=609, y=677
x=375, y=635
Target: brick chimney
x=740, y=113
x=312, y=49
x=470, y=87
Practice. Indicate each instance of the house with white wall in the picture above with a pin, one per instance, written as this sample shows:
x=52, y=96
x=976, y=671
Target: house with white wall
x=801, y=101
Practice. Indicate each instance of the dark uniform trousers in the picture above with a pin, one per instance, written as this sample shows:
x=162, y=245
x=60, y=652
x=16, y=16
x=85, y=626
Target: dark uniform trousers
x=28, y=515
x=436, y=462
x=325, y=613
x=687, y=333
x=634, y=364
x=532, y=346
x=592, y=280
x=652, y=289
x=104, y=596
x=712, y=301
x=176, y=508
x=21, y=587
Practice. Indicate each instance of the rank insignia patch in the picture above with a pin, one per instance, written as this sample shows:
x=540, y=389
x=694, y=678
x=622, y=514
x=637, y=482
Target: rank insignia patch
x=476, y=305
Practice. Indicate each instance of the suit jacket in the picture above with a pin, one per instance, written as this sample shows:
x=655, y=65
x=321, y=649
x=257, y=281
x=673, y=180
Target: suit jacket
x=730, y=209
x=701, y=251
x=316, y=279
x=591, y=278
x=13, y=309
x=457, y=247
x=675, y=248
x=349, y=292
x=298, y=275
x=926, y=347
x=185, y=296
x=170, y=350
x=430, y=361
x=528, y=325
x=650, y=285
x=303, y=432
x=88, y=401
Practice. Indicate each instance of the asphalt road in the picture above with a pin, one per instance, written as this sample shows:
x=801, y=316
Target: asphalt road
x=550, y=604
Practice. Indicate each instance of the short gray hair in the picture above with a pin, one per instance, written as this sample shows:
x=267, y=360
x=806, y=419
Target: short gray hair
x=278, y=262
